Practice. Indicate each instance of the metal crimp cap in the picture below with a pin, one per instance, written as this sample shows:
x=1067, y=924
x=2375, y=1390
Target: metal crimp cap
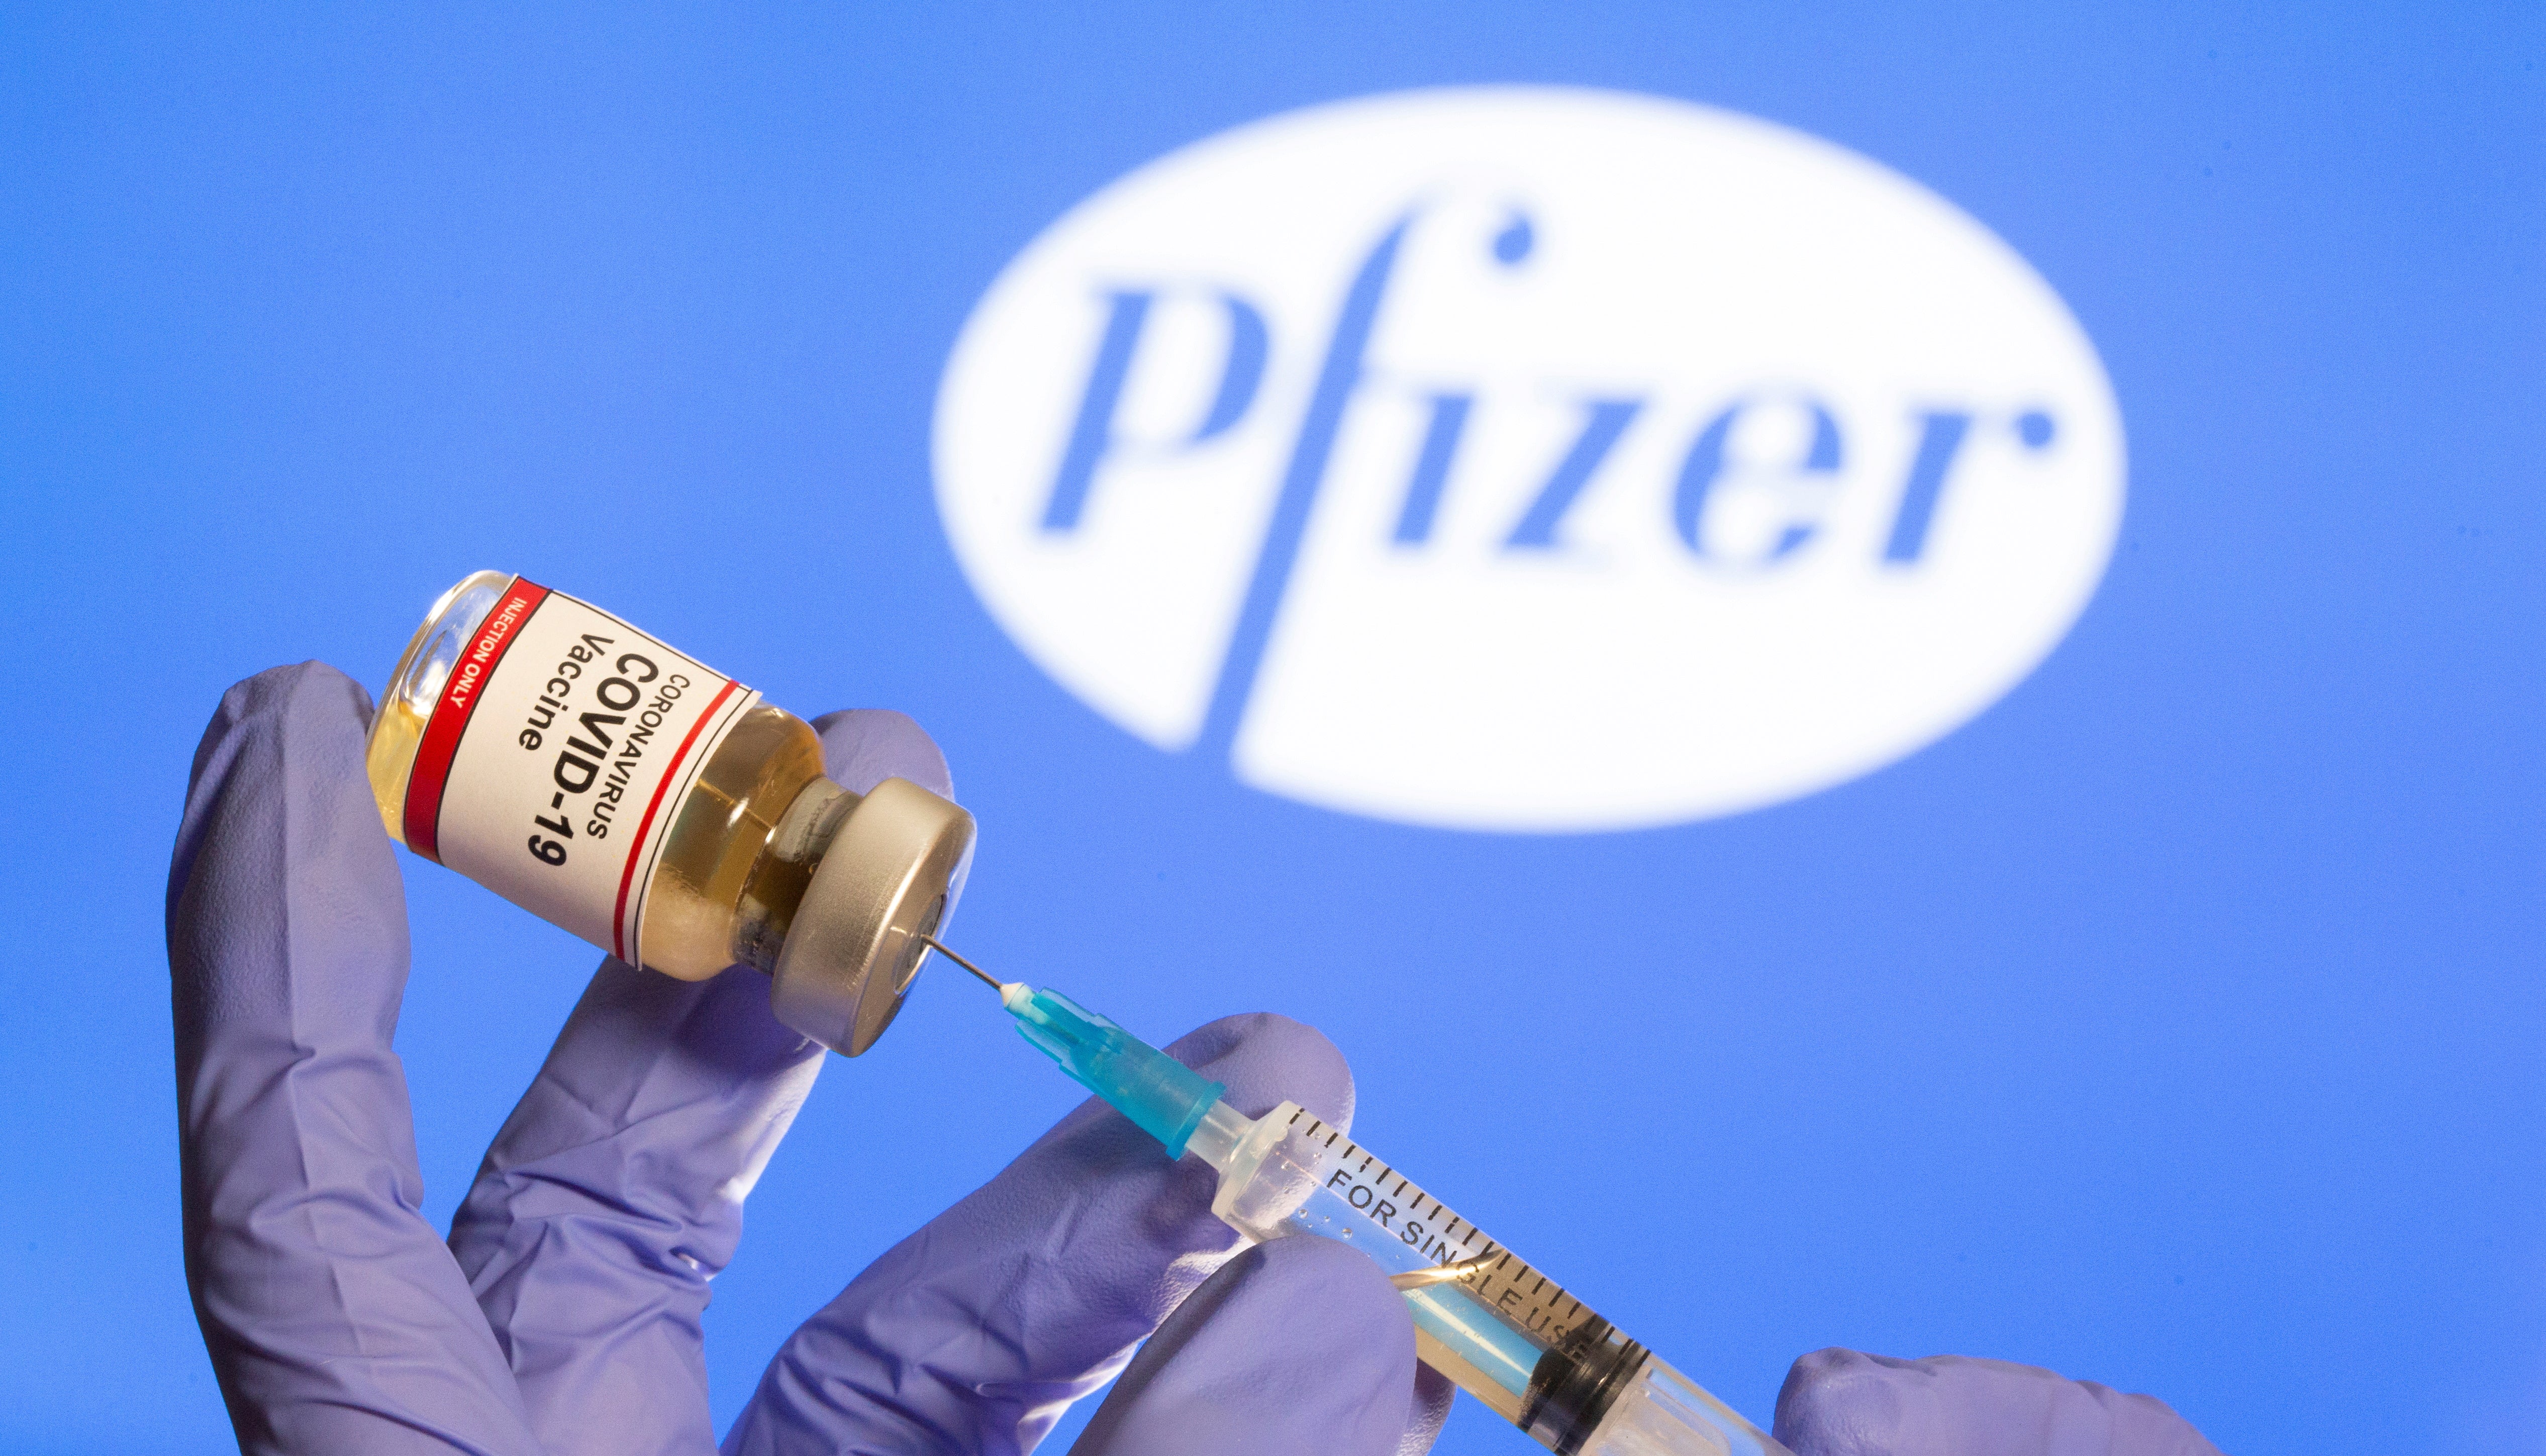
x=890, y=875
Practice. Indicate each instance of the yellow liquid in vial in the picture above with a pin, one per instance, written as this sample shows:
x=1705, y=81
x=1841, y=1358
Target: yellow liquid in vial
x=723, y=893
x=725, y=889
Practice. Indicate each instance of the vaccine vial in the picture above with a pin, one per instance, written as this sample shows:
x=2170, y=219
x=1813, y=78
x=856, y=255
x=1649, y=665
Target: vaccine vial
x=616, y=787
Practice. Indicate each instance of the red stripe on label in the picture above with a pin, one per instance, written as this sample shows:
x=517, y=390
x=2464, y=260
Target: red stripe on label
x=663, y=786
x=450, y=712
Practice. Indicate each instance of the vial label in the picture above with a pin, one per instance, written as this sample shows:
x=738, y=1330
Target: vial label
x=557, y=755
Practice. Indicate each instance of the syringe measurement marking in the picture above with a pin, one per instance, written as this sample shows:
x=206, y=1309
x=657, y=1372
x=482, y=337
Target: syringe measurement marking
x=1543, y=1310
x=1503, y=1302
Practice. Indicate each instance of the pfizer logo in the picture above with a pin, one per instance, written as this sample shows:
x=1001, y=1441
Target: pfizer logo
x=1528, y=459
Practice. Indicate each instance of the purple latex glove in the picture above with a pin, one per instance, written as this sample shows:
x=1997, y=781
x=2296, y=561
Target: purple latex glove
x=1291, y=1339
x=1838, y=1403
x=567, y=1321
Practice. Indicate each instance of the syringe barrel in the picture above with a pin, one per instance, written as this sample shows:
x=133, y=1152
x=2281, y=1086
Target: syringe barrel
x=1498, y=1327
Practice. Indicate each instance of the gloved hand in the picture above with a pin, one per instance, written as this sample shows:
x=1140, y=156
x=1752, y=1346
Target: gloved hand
x=1838, y=1403
x=568, y=1320
x=564, y=1314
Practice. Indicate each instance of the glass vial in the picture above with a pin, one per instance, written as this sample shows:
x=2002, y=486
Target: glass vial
x=622, y=790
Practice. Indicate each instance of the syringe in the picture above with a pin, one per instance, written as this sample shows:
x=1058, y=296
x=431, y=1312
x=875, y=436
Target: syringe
x=1498, y=1327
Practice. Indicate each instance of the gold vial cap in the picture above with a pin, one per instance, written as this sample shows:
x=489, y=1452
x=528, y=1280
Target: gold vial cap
x=890, y=877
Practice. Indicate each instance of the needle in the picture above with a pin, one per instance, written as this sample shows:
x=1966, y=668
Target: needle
x=933, y=943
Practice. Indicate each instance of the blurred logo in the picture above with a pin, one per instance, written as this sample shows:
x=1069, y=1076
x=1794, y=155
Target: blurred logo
x=1528, y=459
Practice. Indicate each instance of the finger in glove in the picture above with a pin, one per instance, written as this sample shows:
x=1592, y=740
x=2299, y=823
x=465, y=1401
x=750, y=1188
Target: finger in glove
x=1839, y=1402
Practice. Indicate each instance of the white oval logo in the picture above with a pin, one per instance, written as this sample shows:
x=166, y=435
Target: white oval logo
x=1528, y=459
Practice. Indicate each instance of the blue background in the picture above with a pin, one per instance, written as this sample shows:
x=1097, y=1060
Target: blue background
x=2175, y=1024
